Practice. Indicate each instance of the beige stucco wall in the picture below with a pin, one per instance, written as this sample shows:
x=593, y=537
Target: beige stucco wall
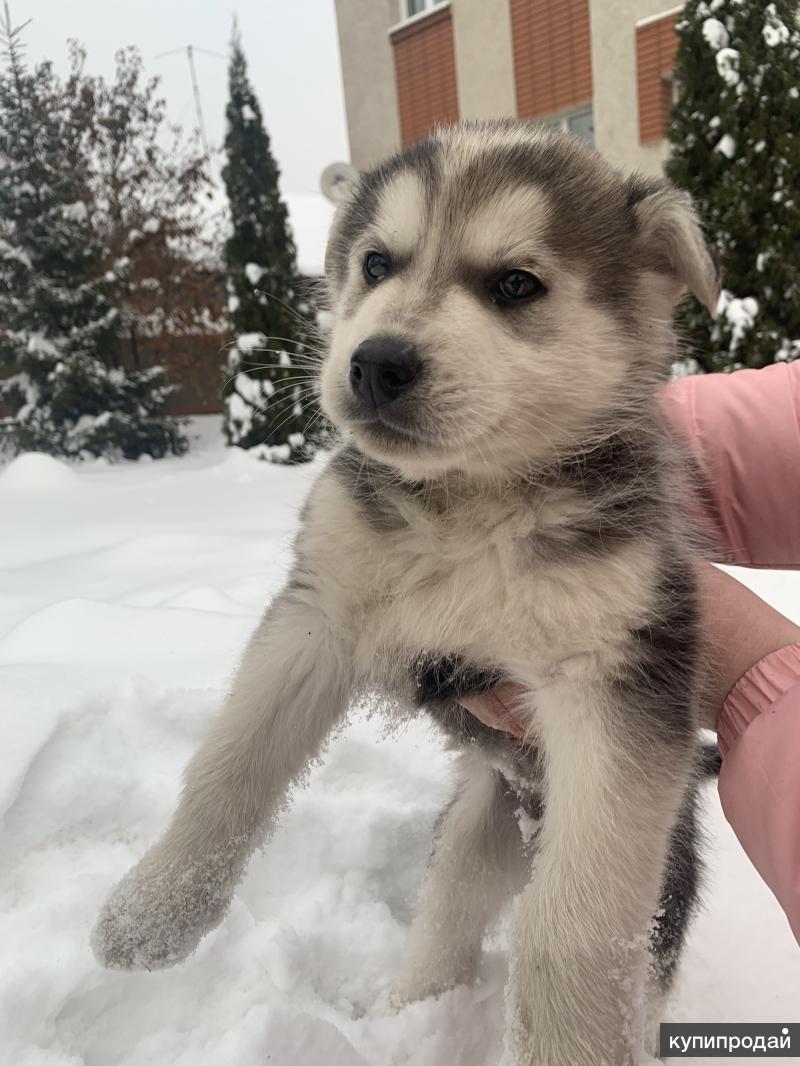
x=616, y=107
x=370, y=93
x=484, y=58
x=485, y=71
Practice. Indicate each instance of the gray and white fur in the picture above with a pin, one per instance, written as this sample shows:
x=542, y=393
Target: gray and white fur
x=502, y=508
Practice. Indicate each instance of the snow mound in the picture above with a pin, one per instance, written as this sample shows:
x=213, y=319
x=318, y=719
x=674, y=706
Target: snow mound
x=35, y=471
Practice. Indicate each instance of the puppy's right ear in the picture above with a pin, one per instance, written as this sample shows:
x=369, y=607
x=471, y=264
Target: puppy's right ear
x=672, y=240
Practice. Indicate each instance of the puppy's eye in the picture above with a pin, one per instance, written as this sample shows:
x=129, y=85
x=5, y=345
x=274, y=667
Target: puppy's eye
x=376, y=267
x=515, y=287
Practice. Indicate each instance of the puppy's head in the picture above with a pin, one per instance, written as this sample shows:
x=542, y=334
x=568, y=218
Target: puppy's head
x=498, y=292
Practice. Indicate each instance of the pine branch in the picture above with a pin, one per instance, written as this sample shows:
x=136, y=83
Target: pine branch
x=12, y=48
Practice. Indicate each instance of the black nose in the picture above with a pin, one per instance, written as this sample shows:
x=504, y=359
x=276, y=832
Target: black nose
x=382, y=368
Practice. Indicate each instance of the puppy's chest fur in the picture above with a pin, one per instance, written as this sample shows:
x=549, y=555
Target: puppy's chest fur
x=456, y=589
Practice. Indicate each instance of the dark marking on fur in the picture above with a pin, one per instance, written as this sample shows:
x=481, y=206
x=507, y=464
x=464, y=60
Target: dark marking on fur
x=638, y=188
x=367, y=481
x=619, y=496
x=530, y=801
x=357, y=215
x=710, y=760
x=589, y=224
x=441, y=682
x=299, y=582
x=660, y=678
x=448, y=677
x=679, y=893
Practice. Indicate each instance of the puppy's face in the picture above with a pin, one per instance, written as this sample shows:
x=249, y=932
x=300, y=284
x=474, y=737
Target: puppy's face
x=498, y=290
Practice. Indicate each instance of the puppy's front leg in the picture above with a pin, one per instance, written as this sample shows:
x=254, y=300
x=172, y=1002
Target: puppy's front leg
x=290, y=689
x=615, y=777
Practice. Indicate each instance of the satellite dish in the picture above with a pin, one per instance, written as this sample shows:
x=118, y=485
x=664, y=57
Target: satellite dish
x=337, y=181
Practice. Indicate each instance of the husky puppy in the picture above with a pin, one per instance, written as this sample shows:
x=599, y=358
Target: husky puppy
x=503, y=508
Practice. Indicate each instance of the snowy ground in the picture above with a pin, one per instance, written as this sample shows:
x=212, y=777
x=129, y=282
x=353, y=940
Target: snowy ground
x=126, y=594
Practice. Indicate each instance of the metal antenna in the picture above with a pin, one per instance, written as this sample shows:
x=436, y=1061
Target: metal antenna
x=190, y=51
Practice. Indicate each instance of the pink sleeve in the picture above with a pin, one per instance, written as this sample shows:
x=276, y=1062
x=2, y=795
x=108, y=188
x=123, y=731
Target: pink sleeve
x=744, y=430
x=759, y=737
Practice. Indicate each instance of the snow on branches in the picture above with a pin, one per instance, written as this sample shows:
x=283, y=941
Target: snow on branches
x=735, y=148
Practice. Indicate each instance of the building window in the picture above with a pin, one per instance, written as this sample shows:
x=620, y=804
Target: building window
x=579, y=122
x=425, y=68
x=552, y=56
x=656, y=45
x=417, y=7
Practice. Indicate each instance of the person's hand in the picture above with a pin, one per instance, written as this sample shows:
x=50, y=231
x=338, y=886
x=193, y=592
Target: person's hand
x=498, y=709
x=737, y=629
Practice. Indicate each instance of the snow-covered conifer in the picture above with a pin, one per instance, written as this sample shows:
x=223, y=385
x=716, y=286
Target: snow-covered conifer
x=735, y=146
x=270, y=398
x=62, y=381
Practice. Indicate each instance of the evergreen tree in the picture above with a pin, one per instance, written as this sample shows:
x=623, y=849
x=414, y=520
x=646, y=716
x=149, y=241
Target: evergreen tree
x=269, y=395
x=59, y=318
x=735, y=146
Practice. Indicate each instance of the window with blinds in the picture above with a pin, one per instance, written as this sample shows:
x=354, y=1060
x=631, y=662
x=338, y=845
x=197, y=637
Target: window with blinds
x=552, y=55
x=656, y=44
x=425, y=67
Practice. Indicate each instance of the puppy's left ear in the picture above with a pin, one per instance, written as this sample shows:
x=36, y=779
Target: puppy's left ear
x=672, y=240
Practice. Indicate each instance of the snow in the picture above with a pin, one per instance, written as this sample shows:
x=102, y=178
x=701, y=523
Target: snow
x=38, y=343
x=254, y=389
x=715, y=34
x=33, y=472
x=29, y=389
x=248, y=342
x=126, y=595
x=254, y=273
x=8, y=251
x=726, y=145
x=775, y=31
x=740, y=314
x=151, y=225
x=789, y=349
x=248, y=114
x=728, y=65
x=77, y=212
x=240, y=414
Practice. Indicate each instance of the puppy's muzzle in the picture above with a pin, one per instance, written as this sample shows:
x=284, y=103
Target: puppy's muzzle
x=383, y=369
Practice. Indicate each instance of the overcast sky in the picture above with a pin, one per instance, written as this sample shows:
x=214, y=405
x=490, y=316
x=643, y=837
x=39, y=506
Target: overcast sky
x=291, y=50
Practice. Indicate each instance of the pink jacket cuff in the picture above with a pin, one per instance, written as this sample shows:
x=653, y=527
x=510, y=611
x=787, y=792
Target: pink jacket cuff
x=759, y=736
x=756, y=691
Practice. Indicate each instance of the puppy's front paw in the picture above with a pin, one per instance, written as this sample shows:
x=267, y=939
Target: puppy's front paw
x=429, y=982
x=157, y=915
